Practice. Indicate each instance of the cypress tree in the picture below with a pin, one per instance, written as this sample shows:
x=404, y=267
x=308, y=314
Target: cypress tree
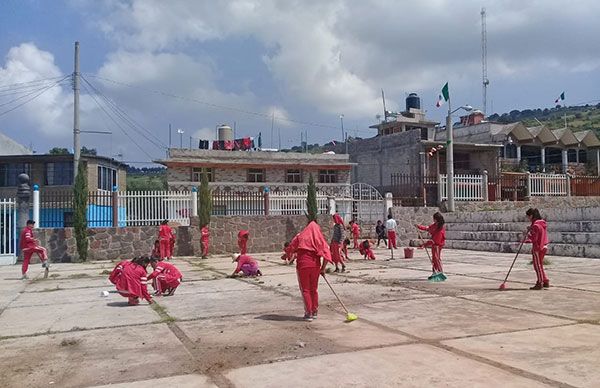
x=311, y=200
x=80, y=201
x=205, y=199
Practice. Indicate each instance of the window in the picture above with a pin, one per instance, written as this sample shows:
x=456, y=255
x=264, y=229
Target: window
x=10, y=171
x=293, y=176
x=59, y=173
x=107, y=178
x=327, y=176
x=197, y=174
x=256, y=175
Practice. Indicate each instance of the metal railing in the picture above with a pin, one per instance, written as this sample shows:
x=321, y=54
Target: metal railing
x=466, y=187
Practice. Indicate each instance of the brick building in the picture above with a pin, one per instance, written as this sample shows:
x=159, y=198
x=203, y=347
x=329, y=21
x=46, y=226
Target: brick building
x=255, y=170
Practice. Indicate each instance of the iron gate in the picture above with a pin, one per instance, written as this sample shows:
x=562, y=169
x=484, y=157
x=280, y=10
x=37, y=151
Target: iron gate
x=363, y=203
x=8, y=228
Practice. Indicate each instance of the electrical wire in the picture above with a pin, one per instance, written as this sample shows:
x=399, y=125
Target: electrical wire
x=24, y=84
x=251, y=113
x=30, y=93
x=32, y=98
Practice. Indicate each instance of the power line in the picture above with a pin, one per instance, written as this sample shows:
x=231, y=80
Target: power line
x=264, y=115
x=115, y=122
x=24, y=84
x=34, y=97
x=30, y=93
x=126, y=118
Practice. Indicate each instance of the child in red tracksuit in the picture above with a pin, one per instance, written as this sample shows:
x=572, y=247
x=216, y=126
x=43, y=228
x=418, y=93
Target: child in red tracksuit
x=29, y=245
x=310, y=246
x=336, y=240
x=131, y=283
x=204, y=239
x=345, y=245
x=438, y=239
x=246, y=265
x=156, y=250
x=365, y=250
x=165, y=236
x=117, y=272
x=538, y=237
x=355, y=230
x=165, y=277
x=243, y=236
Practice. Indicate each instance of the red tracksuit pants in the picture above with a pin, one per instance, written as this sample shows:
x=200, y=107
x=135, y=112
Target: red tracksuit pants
x=28, y=252
x=355, y=237
x=204, y=241
x=538, y=265
x=165, y=249
x=243, y=245
x=308, y=270
x=436, y=256
x=335, y=253
x=392, y=239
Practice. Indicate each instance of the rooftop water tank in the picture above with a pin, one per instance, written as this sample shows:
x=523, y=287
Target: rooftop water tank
x=225, y=132
x=413, y=101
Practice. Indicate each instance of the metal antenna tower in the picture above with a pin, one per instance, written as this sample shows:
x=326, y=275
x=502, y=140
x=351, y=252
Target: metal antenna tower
x=484, y=79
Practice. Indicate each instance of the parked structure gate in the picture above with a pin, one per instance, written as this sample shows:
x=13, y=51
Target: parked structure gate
x=8, y=229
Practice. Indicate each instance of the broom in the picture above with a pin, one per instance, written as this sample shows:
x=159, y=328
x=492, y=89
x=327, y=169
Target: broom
x=503, y=285
x=437, y=276
x=349, y=316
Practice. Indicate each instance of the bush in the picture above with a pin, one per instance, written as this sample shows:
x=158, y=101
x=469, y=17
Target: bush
x=80, y=201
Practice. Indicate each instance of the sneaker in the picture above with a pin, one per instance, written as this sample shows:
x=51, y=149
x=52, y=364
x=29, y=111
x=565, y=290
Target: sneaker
x=336, y=270
x=343, y=269
x=45, y=264
x=314, y=315
x=24, y=277
x=537, y=286
x=546, y=284
x=308, y=317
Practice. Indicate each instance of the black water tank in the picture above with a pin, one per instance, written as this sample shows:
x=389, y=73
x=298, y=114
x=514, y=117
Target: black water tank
x=413, y=101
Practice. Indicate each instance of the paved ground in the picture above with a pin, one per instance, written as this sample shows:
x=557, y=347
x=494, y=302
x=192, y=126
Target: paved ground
x=225, y=332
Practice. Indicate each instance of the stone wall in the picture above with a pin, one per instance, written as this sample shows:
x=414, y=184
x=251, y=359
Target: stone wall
x=267, y=234
x=407, y=217
x=539, y=202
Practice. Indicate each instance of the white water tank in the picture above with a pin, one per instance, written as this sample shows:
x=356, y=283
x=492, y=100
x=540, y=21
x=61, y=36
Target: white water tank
x=225, y=132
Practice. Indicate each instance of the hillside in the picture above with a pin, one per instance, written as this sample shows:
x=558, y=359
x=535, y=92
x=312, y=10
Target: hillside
x=146, y=179
x=578, y=117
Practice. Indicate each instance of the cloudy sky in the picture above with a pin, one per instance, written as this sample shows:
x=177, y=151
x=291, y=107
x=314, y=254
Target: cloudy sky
x=196, y=64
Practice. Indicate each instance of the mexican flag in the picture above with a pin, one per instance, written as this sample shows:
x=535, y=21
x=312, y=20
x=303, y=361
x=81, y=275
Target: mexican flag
x=560, y=98
x=443, y=97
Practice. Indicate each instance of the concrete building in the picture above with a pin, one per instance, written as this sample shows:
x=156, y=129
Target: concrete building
x=55, y=172
x=402, y=147
x=255, y=170
x=10, y=147
x=534, y=148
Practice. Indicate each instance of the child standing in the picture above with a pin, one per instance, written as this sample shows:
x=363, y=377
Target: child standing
x=204, y=239
x=243, y=236
x=165, y=236
x=29, y=245
x=390, y=225
x=310, y=246
x=336, y=240
x=380, y=231
x=538, y=237
x=355, y=230
x=438, y=239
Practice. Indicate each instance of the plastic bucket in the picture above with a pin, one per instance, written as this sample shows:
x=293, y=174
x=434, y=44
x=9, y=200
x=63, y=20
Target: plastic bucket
x=408, y=253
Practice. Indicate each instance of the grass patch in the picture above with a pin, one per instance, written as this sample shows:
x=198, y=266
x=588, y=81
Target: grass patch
x=78, y=276
x=105, y=272
x=162, y=313
x=57, y=288
x=69, y=342
x=53, y=275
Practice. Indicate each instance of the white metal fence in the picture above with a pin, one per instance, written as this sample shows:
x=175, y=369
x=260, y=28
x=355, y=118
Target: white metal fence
x=293, y=203
x=8, y=239
x=466, y=187
x=548, y=184
x=151, y=207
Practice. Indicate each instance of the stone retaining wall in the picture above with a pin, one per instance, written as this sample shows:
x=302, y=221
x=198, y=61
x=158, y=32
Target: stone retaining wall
x=407, y=217
x=267, y=234
x=539, y=202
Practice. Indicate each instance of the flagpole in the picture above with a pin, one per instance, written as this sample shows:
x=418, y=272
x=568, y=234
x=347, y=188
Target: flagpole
x=449, y=159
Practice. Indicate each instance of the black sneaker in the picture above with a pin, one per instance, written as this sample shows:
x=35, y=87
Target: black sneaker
x=537, y=286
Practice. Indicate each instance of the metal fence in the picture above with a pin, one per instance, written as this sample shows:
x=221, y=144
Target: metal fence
x=231, y=203
x=281, y=204
x=466, y=187
x=8, y=229
x=548, y=184
x=585, y=186
x=413, y=190
x=56, y=209
x=151, y=207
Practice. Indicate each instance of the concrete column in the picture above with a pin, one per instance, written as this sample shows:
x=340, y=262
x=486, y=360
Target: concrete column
x=543, y=155
x=528, y=184
x=598, y=161
x=577, y=155
x=387, y=204
x=36, y=206
x=484, y=186
x=23, y=198
x=331, y=205
x=518, y=153
x=565, y=161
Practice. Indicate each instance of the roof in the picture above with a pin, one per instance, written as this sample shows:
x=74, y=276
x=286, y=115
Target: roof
x=565, y=136
x=543, y=134
x=253, y=158
x=465, y=146
x=10, y=147
x=59, y=158
x=587, y=138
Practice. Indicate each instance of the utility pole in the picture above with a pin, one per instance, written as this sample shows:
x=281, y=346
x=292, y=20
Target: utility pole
x=384, y=110
x=169, y=135
x=484, y=78
x=76, y=130
x=279, y=135
x=272, y=122
x=449, y=160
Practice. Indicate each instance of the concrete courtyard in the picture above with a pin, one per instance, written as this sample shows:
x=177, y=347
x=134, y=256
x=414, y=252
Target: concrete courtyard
x=221, y=332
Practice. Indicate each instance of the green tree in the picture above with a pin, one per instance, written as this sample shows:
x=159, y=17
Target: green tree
x=311, y=200
x=59, y=151
x=80, y=208
x=205, y=200
x=89, y=151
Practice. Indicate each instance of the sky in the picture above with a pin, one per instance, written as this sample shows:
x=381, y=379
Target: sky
x=280, y=68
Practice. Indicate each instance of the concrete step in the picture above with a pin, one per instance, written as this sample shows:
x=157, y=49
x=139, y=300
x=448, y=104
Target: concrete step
x=518, y=215
x=575, y=250
x=499, y=236
x=567, y=226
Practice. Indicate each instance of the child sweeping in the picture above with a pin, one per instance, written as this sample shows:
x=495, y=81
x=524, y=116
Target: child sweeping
x=310, y=246
x=246, y=265
x=336, y=240
x=365, y=250
x=165, y=277
x=165, y=237
x=538, y=237
x=243, y=236
x=438, y=239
